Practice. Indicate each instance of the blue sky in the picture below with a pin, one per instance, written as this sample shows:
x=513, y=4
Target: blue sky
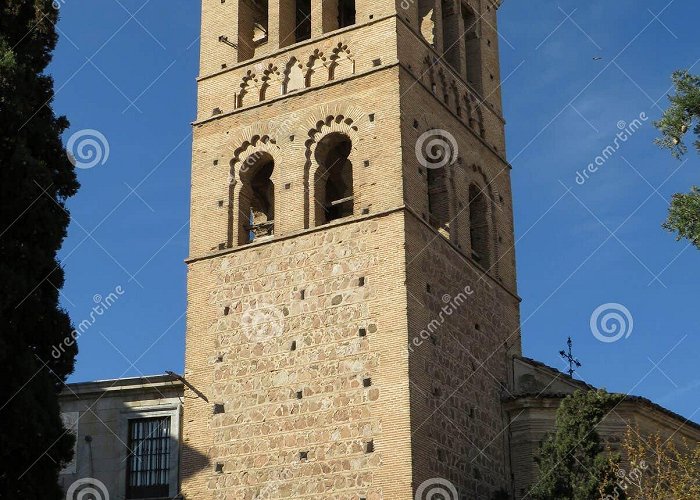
x=127, y=68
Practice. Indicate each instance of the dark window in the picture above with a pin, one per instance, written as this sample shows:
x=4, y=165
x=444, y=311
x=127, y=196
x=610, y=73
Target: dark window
x=253, y=19
x=303, y=20
x=148, y=469
x=260, y=33
x=333, y=180
x=450, y=30
x=346, y=13
x=257, y=198
x=478, y=225
x=438, y=201
x=472, y=47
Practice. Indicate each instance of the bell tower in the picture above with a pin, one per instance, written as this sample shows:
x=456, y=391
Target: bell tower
x=352, y=303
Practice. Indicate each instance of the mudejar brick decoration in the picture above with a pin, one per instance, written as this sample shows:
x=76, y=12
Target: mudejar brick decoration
x=313, y=240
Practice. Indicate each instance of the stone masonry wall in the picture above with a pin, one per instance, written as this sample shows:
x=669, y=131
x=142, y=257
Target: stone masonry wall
x=459, y=347
x=302, y=340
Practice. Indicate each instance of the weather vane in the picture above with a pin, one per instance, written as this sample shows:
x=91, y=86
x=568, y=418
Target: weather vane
x=569, y=356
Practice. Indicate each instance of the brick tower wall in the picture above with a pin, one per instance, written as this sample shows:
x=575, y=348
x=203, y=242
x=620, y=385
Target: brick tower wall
x=299, y=346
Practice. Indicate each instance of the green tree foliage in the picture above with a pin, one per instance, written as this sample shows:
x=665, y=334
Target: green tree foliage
x=572, y=462
x=36, y=178
x=681, y=118
x=684, y=216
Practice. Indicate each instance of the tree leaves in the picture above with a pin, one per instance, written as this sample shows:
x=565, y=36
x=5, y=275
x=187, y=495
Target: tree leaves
x=681, y=118
x=684, y=216
x=36, y=177
x=572, y=462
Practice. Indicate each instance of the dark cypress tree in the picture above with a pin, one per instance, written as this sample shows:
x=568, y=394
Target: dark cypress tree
x=36, y=178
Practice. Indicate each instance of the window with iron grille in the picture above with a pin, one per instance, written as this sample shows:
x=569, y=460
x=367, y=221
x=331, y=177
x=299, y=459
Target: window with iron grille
x=148, y=474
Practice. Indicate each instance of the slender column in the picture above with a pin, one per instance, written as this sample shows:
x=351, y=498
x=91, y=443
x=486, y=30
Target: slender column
x=286, y=21
x=274, y=20
x=316, y=18
x=464, y=39
x=330, y=15
x=324, y=17
x=438, y=41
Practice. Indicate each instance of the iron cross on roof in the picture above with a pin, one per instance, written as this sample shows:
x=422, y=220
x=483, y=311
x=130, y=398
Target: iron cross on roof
x=569, y=356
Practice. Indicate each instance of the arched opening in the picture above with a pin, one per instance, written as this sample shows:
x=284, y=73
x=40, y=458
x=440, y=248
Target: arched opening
x=346, y=13
x=472, y=47
x=342, y=64
x=256, y=207
x=316, y=70
x=479, y=226
x=438, y=200
x=302, y=29
x=294, y=21
x=333, y=181
x=480, y=121
x=426, y=19
x=253, y=16
x=293, y=77
x=450, y=33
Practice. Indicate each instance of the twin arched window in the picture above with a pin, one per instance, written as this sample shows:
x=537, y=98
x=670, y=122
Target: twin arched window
x=440, y=219
x=346, y=13
x=253, y=22
x=458, y=31
x=332, y=190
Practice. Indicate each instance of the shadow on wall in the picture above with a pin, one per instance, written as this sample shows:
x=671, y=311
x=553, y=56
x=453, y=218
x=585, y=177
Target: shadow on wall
x=128, y=444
